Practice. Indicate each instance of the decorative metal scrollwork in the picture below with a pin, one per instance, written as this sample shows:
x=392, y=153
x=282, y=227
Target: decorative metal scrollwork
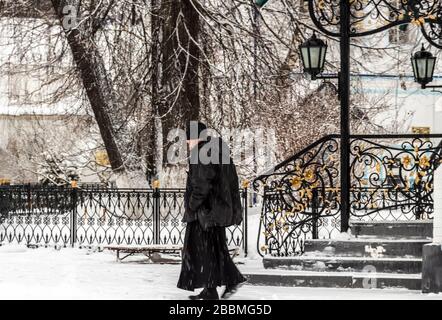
x=300, y=198
x=372, y=16
x=395, y=178
x=94, y=217
x=391, y=179
x=433, y=32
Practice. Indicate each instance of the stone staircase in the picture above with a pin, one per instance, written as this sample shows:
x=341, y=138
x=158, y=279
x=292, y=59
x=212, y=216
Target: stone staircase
x=378, y=255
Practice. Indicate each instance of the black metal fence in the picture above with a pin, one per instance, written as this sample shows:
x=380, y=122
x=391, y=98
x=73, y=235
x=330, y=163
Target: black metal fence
x=94, y=217
x=391, y=179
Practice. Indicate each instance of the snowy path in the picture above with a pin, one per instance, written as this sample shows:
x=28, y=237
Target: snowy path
x=80, y=274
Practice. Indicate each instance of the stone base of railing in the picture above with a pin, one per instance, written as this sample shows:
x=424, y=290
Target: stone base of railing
x=432, y=268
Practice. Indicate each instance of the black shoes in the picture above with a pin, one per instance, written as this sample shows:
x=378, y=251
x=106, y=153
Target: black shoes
x=231, y=290
x=206, y=294
x=212, y=294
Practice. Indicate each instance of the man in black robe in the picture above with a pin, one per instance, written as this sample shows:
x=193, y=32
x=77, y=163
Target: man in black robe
x=212, y=203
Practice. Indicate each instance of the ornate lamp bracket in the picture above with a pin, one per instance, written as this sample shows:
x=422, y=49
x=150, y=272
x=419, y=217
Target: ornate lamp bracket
x=368, y=17
x=432, y=32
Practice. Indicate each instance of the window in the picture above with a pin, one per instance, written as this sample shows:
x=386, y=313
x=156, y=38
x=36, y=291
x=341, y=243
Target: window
x=398, y=35
x=24, y=85
x=18, y=86
x=303, y=6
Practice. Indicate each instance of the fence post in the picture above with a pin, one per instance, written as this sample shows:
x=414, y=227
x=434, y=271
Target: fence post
x=156, y=211
x=315, y=213
x=29, y=198
x=74, y=215
x=245, y=221
x=263, y=224
x=419, y=210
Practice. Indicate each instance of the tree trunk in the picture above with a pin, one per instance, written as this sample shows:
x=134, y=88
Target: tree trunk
x=151, y=160
x=189, y=61
x=180, y=66
x=98, y=89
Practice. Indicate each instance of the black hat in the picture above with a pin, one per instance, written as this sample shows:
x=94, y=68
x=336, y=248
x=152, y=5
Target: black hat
x=196, y=130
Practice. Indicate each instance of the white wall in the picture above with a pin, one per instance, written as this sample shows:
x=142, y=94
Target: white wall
x=24, y=64
x=410, y=107
x=437, y=235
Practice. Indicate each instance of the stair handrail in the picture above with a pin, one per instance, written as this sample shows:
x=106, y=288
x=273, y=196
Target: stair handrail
x=260, y=179
x=267, y=173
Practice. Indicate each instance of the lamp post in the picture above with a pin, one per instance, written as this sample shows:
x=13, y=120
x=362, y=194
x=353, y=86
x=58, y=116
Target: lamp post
x=344, y=93
x=313, y=54
x=345, y=19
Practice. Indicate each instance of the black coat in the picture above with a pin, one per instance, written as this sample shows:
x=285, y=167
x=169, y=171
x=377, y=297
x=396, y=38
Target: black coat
x=212, y=190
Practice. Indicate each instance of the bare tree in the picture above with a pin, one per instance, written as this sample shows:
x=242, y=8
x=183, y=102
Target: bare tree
x=142, y=68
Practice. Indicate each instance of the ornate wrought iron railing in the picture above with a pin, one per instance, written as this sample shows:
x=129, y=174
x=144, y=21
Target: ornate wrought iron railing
x=94, y=217
x=391, y=179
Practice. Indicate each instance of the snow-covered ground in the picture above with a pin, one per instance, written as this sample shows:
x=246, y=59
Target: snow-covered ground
x=46, y=273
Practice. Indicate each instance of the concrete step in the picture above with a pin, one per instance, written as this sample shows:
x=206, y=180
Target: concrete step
x=422, y=229
x=334, y=279
x=345, y=264
x=366, y=248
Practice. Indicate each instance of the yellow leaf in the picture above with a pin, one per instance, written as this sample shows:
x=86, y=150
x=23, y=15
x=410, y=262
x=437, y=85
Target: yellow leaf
x=156, y=184
x=309, y=175
x=101, y=158
x=301, y=193
x=406, y=161
x=424, y=162
x=296, y=182
x=378, y=167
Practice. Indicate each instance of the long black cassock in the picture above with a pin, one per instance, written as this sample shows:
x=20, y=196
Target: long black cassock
x=212, y=202
x=206, y=260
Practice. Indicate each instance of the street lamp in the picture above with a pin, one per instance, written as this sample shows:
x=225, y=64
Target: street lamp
x=346, y=19
x=261, y=3
x=423, y=63
x=313, y=53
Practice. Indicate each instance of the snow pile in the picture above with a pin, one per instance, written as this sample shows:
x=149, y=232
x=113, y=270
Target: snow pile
x=343, y=236
x=253, y=222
